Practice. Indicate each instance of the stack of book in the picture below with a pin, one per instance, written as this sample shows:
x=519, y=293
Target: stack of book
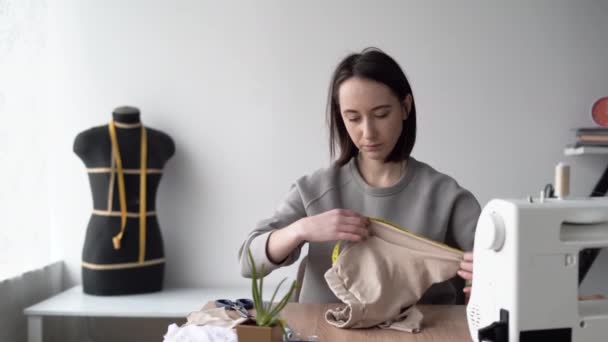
x=595, y=136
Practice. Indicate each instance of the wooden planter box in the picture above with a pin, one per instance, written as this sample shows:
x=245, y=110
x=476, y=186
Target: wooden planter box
x=254, y=333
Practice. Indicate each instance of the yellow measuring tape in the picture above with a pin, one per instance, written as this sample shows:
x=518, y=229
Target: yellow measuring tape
x=336, y=251
x=122, y=192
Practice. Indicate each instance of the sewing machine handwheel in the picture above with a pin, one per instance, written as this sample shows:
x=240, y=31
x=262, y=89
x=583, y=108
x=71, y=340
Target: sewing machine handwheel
x=491, y=231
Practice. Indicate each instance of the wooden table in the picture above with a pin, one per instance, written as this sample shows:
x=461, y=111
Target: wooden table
x=442, y=323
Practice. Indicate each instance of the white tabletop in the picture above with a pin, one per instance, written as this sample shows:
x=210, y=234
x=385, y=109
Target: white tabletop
x=169, y=303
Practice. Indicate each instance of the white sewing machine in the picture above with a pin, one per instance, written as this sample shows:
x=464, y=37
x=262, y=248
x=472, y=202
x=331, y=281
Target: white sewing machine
x=525, y=274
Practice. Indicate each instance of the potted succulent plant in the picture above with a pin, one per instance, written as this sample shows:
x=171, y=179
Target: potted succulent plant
x=268, y=326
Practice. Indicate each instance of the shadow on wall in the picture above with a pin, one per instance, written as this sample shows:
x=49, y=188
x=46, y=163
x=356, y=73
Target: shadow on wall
x=180, y=197
x=19, y=292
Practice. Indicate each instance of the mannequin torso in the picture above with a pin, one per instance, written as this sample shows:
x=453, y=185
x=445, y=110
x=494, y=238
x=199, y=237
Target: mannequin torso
x=137, y=265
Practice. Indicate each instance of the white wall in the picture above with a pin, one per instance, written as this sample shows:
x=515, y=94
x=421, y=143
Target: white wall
x=241, y=87
x=24, y=205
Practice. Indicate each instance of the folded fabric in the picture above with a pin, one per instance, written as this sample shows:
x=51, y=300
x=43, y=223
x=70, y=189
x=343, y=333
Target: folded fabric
x=214, y=316
x=205, y=325
x=380, y=279
x=198, y=333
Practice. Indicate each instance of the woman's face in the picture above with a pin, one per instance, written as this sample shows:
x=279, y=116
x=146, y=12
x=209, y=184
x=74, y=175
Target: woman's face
x=373, y=116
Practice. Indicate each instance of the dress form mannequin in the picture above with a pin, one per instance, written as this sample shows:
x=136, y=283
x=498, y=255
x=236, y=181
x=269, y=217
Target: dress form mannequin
x=115, y=263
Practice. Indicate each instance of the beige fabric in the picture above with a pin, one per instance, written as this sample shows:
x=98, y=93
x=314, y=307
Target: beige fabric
x=214, y=324
x=214, y=316
x=380, y=279
x=409, y=321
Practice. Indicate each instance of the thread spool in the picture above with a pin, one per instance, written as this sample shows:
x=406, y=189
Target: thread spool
x=562, y=180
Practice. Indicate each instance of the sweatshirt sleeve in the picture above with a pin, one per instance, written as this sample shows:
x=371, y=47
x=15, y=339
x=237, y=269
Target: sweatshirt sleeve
x=463, y=220
x=289, y=211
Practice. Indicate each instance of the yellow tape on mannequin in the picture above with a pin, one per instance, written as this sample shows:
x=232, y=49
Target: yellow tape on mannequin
x=121, y=186
x=116, y=240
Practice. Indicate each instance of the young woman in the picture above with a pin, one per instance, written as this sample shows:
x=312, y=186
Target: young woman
x=372, y=122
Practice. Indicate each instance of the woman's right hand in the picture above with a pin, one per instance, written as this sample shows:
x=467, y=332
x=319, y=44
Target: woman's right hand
x=336, y=224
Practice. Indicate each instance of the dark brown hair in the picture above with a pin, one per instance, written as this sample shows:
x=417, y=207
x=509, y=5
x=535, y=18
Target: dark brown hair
x=375, y=65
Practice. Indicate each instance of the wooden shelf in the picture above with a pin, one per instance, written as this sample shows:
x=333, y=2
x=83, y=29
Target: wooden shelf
x=577, y=151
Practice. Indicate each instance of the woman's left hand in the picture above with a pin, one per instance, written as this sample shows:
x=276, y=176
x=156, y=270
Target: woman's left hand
x=466, y=271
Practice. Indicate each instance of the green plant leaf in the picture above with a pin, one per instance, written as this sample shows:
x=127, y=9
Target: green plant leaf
x=266, y=321
x=274, y=294
x=275, y=311
x=260, y=291
x=254, y=287
x=263, y=317
x=266, y=315
x=285, y=299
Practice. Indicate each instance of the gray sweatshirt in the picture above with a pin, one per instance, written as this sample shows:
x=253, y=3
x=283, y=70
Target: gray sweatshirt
x=423, y=201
